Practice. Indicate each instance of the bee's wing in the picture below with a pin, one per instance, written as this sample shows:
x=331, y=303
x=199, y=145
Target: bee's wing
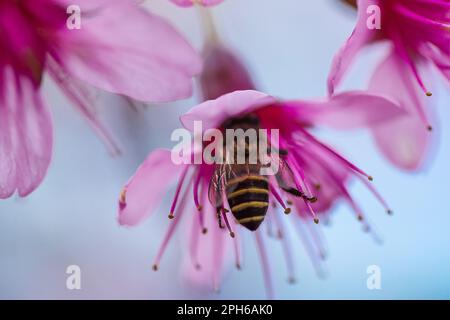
x=219, y=184
x=284, y=176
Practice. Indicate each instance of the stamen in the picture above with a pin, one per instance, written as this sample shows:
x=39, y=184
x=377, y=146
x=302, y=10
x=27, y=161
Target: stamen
x=367, y=227
x=177, y=192
x=201, y=215
x=195, y=189
x=310, y=250
x=265, y=264
x=170, y=231
x=237, y=255
x=123, y=198
x=277, y=196
x=269, y=226
x=227, y=223
x=335, y=154
x=287, y=251
x=318, y=240
x=377, y=195
x=311, y=210
x=195, y=234
x=402, y=50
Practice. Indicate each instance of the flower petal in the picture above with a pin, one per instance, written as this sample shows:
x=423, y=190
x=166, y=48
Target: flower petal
x=214, y=112
x=349, y=110
x=143, y=193
x=360, y=36
x=26, y=137
x=211, y=251
x=190, y=3
x=142, y=56
x=404, y=141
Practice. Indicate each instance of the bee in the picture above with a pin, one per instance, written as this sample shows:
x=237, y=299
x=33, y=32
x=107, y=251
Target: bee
x=242, y=184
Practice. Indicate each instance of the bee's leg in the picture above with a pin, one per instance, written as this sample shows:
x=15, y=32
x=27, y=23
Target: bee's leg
x=281, y=152
x=300, y=194
x=219, y=217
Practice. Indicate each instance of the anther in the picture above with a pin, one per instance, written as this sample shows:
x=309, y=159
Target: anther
x=430, y=128
x=389, y=212
x=204, y=230
x=198, y=266
x=360, y=217
x=289, y=202
x=287, y=210
x=232, y=234
x=238, y=266
x=123, y=196
x=171, y=216
x=292, y=280
x=312, y=199
x=316, y=220
x=155, y=267
x=370, y=178
x=429, y=94
x=199, y=208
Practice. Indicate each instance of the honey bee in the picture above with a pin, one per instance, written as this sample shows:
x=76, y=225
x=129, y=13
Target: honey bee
x=243, y=185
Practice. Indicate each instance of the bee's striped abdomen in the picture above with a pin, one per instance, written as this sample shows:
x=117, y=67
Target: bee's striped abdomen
x=248, y=197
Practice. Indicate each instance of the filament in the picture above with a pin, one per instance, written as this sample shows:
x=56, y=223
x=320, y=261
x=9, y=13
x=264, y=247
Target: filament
x=265, y=264
x=177, y=192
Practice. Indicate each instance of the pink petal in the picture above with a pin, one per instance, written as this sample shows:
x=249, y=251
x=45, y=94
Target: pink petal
x=440, y=59
x=25, y=134
x=145, y=190
x=349, y=110
x=213, y=112
x=141, y=56
x=404, y=141
x=212, y=253
x=360, y=36
x=190, y=3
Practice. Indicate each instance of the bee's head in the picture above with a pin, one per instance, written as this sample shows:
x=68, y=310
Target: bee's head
x=250, y=120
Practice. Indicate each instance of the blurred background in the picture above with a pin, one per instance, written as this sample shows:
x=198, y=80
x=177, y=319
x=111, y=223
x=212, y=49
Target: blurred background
x=288, y=45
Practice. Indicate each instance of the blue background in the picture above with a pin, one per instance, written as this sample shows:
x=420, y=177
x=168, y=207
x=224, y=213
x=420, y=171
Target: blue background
x=288, y=44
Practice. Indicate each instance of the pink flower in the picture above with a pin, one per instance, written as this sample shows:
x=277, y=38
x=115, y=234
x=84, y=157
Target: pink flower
x=190, y=3
x=316, y=178
x=140, y=56
x=418, y=34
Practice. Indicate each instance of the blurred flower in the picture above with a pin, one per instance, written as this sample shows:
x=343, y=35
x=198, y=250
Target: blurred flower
x=313, y=178
x=190, y=3
x=140, y=56
x=418, y=33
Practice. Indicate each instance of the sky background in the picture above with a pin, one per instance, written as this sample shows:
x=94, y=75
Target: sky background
x=288, y=45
